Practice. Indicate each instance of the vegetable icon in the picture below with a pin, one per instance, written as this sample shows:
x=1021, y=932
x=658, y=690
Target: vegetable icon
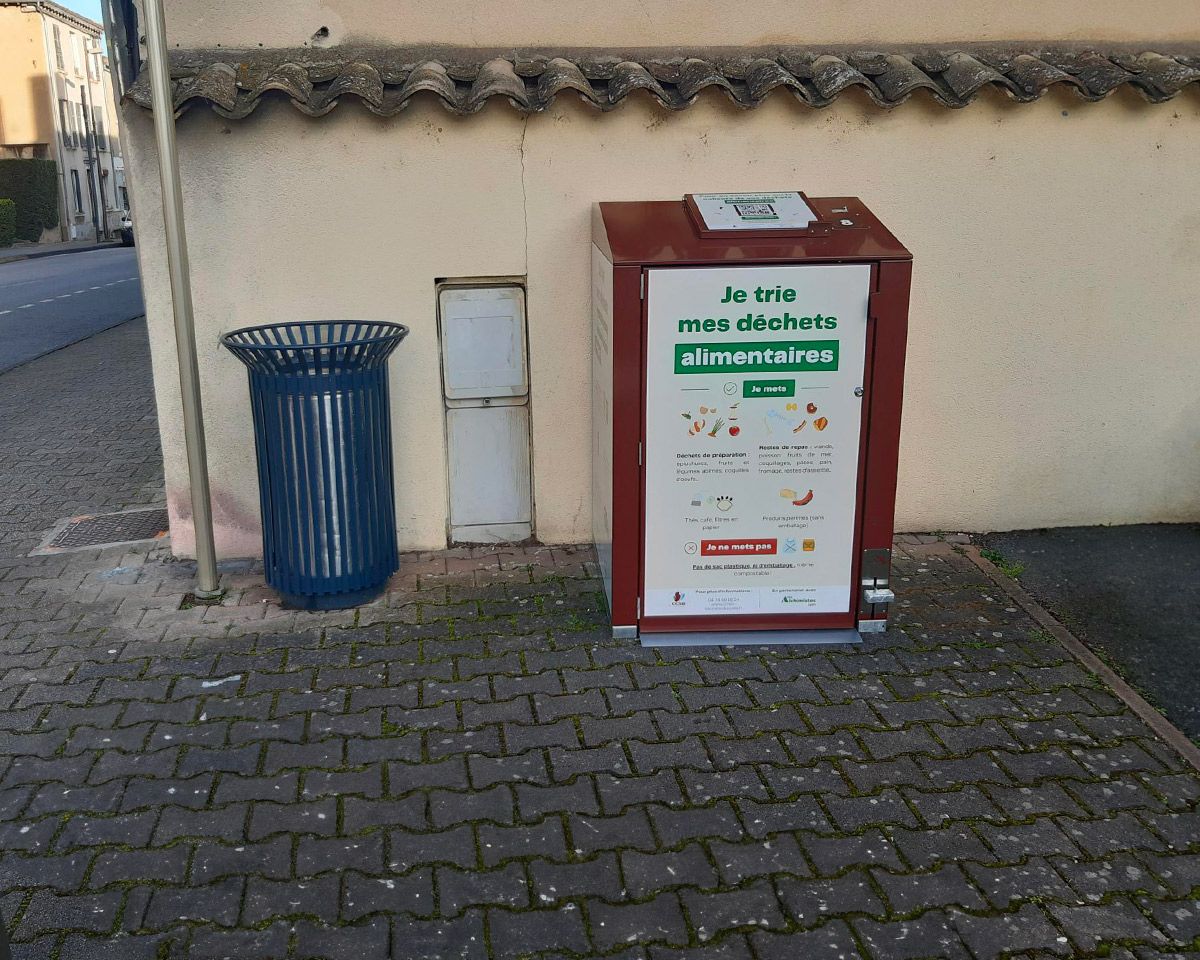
x=806, y=499
x=734, y=431
x=716, y=427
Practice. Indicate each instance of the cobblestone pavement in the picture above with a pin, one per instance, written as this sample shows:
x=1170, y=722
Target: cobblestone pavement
x=472, y=768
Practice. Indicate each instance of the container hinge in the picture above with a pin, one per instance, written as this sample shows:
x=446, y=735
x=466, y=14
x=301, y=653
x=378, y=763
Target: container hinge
x=642, y=286
x=639, y=608
x=639, y=453
x=874, y=302
x=875, y=596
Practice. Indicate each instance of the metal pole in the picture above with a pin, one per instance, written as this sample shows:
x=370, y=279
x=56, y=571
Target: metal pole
x=181, y=297
x=92, y=62
x=91, y=147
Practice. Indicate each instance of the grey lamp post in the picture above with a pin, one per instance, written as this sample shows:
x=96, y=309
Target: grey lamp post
x=207, y=585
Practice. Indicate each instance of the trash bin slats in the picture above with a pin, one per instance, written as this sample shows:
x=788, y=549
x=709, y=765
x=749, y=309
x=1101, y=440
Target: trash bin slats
x=323, y=446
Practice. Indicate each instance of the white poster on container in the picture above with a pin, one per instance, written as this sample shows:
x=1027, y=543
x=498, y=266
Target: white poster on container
x=752, y=438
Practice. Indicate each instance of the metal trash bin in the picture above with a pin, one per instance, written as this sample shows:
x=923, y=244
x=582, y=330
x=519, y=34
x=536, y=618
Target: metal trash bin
x=323, y=437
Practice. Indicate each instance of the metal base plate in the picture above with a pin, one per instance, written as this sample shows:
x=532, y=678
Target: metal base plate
x=751, y=638
x=331, y=601
x=491, y=533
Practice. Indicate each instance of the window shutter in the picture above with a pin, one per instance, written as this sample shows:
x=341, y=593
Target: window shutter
x=70, y=131
x=58, y=54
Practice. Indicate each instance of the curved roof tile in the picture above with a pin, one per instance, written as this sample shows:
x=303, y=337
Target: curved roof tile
x=384, y=80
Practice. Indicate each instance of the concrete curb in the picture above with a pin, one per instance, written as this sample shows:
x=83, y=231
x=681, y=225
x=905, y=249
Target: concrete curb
x=94, y=333
x=36, y=254
x=1175, y=737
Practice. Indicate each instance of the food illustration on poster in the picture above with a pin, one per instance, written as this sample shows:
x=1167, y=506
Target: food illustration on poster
x=752, y=438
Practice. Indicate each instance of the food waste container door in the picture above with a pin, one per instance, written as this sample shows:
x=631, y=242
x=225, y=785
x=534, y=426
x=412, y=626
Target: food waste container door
x=322, y=433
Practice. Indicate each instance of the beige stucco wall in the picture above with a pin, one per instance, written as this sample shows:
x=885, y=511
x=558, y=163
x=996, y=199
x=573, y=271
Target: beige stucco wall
x=235, y=23
x=1051, y=375
x=25, y=116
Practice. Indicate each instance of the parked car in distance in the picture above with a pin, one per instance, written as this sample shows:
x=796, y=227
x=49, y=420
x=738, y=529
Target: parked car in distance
x=126, y=230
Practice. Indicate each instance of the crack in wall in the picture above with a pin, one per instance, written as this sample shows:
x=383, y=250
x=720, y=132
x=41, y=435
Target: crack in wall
x=525, y=194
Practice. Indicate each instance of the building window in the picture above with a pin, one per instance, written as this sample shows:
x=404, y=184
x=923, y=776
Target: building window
x=69, y=121
x=65, y=125
x=98, y=128
x=58, y=54
x=76, y=192
x=84, y=139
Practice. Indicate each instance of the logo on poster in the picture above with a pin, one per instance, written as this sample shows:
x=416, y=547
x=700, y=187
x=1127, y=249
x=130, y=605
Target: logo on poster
x=678, y=600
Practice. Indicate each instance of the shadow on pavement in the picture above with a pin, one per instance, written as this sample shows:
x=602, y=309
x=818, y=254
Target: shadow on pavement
x=1131, y=593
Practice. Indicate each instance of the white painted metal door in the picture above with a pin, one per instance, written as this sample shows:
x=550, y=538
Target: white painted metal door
x=489, y=473
x=483, y=342
x=485, y=382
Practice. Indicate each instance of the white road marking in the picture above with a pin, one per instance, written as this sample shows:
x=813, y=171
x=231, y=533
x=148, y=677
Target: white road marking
x=3, y=312
x=51, y=300
x=76, y=291
x=25, y=306
x=93, y=288
x=62, y=296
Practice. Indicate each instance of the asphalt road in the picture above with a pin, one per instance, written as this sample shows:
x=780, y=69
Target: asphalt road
x=52, y=302
x=1131, y=594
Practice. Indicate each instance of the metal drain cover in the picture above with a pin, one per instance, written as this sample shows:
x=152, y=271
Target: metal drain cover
x=107, y=529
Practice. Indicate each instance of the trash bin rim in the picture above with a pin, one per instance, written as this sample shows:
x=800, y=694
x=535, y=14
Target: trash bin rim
x=398, y=331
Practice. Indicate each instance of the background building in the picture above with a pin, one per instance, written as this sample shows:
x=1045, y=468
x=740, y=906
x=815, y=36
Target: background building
x=341, y=158
x=56, y=103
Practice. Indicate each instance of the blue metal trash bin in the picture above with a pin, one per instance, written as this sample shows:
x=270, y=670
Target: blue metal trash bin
x=322, y=433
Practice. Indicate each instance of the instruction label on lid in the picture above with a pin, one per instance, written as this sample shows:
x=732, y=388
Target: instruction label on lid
x=754, y=211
